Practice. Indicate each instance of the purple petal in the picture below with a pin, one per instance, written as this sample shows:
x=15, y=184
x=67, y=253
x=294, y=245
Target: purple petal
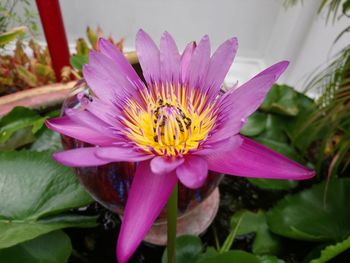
x=66, y=126
x=169, y=59
x=108, y=113
x=87, y=119
x=80, y=157
x=238, y=104
x=219, y=65
x=186, y=59
x=193, y=172
x=223, y=146
x=163, y=165
x=149, y=56
x=198, y=67
x=255, y=160
x=148, y=195
x=111, y=51
x=106, y=78
x=121, y=154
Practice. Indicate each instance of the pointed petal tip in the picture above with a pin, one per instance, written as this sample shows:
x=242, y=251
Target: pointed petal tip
x=122, y=257
x=103, y=42
x=280, y=67
x=141, y=33
x=308, y=174
x=233, y=41
x=54, y=124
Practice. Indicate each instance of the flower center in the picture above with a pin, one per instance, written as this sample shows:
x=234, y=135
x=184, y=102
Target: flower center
x=168, y=120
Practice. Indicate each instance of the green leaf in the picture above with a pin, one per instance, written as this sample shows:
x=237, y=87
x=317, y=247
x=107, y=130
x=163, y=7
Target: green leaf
x=304, y=215
x=35, y=192
x=77, y=61
x=332, y=251
x=265, y=242
x=272, y=184
x=18, y=139
x=188, y=249
x=281, y=99
x=255, y=124
x=233, y=256
x=52, y=247
x=11, y=35
x=47, y=140
x=275, y=128
x=17, y=119
x=270, y=259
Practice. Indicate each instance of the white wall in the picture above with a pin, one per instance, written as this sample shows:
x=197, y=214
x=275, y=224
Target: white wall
x=266, y=31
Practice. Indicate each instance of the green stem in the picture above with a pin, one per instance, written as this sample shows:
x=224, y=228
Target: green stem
x=172, y=217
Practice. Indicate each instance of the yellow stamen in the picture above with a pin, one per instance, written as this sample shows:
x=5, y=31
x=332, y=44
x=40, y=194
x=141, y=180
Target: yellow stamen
x=172, y=120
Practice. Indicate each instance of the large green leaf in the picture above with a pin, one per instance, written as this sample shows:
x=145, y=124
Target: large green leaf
x=188, y=249
x=270, y=259
x=233, y=256
x=281, y=99
x=52, y=247
x=35, y=192
x=47, y=140
x=248, y=222
x=305, y=216
x=331, y=251
x=255, y=125
x=18, y=119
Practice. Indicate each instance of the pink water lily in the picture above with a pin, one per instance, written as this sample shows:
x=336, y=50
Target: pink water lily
x=177, y=125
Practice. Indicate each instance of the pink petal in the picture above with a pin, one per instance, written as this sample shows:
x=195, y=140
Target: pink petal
x=163, y=165
x=255, y=160
x=148, y=195
x=219, y=65
x=227, y=144
x=106, y=78
x=193, y=172
x=108, y=113
x=238, y=104
x=186, y=59
x=121, y=154
x=111, y=51
x=80, y=157
x=198, y=67
x=66, y=126
x=169, y=59
x=87, y=119
x=149, y=56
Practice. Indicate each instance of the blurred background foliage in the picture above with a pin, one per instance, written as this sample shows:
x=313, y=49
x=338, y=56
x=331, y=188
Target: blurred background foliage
x=315, y=132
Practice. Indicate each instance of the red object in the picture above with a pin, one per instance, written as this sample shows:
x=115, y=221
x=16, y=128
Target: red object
x=52, y=22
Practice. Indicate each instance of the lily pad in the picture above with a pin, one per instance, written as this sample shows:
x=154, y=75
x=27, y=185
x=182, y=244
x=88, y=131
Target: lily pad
x=36, y=197
x=265, y=242
x=270, y=259
x=281, y=99
x=47, y=140
x=305, y=216
x=236, y=256
x=255, y=125
x=188, y=249
x=52, y=247
x=332, y=251
x=19, y=118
